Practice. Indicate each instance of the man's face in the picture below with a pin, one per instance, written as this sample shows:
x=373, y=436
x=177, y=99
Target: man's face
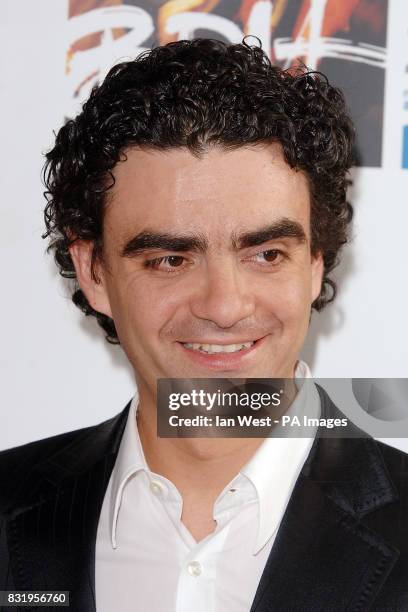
x=202, y=256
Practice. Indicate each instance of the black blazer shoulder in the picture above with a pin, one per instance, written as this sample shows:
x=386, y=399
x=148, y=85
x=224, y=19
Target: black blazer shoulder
x=26, y=468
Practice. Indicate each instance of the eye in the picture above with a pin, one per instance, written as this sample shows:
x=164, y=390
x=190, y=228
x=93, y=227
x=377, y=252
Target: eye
x=271, y=256
x=165, y=263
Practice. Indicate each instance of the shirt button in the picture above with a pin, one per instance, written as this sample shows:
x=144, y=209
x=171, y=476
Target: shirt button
x=194, y=568
x=156, y=487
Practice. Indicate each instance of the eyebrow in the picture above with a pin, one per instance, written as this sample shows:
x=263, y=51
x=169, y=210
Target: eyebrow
x=169, y=242
x=283, y=228
x=147, y=240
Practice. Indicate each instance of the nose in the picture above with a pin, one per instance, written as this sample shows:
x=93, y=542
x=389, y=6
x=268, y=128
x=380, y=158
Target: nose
x=221, y=296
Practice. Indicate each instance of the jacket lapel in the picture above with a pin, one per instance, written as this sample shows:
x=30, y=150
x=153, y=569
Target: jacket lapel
x=324, y=557
x=52, y=538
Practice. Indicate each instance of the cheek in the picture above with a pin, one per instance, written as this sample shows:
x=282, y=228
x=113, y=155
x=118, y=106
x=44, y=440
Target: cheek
x=288, y=298
x=142, y=309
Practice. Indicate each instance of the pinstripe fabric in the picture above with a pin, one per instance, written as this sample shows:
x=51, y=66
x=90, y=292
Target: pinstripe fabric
x=50, y=516
x=6, y=578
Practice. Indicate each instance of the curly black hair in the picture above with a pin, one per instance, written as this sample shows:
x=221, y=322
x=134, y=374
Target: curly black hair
x=193, y=94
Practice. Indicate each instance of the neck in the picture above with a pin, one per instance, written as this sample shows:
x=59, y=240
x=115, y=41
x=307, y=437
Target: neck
x=200, y=468
x=193, y=463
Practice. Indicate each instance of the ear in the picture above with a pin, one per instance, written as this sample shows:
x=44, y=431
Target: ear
x=92, y=283
x=317, y=275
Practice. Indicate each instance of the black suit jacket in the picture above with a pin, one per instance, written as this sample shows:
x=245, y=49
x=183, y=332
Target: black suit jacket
x=342, y=544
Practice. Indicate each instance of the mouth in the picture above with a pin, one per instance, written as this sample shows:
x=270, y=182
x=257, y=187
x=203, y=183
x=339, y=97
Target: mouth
x=216, y=349
x=223, y=357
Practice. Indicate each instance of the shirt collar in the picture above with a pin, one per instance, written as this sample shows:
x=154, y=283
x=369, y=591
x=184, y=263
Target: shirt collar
x=272, y=470
x=130, y=460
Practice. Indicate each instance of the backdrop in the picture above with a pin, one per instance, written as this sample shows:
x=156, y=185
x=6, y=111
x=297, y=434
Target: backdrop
x=57, y=371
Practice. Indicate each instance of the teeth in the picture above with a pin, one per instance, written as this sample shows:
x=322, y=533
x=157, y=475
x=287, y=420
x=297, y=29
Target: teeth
x=217, y=348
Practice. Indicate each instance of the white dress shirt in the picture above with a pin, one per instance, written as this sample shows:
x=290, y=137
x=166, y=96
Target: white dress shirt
x=147, y=560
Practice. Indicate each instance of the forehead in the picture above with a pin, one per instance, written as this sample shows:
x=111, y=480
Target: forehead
x=220, y=193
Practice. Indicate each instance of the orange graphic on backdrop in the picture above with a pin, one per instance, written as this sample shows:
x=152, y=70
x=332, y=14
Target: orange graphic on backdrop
x=78, y=7
x=335, y=15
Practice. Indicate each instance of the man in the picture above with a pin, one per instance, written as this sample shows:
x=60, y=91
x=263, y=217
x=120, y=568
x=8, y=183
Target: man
x=199, y=201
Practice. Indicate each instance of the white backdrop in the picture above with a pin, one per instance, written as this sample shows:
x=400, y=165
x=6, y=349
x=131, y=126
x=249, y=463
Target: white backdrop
x=57, y=371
